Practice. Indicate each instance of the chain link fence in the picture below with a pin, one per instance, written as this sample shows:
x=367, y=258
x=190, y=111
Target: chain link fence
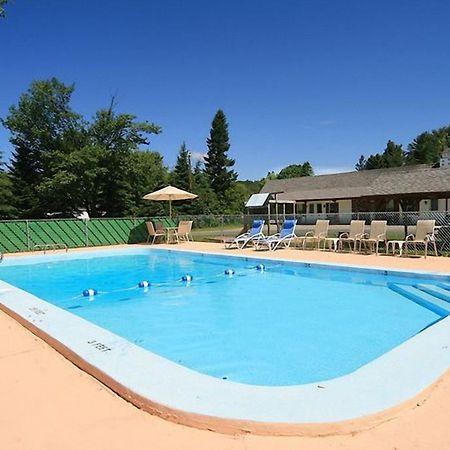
x=22, y=235
x=216, y=228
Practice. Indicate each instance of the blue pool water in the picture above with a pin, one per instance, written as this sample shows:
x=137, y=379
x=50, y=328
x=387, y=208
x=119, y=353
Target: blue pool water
x=290, y=324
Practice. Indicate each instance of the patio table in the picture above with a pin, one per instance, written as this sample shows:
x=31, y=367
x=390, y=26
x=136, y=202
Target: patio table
x=332, y=243
x=171, y=233
x=393, y=245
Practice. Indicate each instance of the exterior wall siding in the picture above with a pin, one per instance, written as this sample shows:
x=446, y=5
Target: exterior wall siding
x=345, y=206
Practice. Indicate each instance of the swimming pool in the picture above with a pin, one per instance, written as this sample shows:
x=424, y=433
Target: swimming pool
x=289, y=324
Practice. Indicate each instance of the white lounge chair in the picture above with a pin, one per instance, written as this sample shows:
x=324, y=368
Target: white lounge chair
x=253, y=235
x=284, y=237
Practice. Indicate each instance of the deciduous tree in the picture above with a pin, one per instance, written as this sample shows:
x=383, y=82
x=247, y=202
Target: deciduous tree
x=41, y=123
x=296, y=170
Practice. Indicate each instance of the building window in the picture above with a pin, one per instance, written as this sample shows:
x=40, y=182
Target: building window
x=332, y=208
x=319, y=208
x=434, y=206
x=301, y=208
x=311, y=208
x=410, y=205
x=289, y=208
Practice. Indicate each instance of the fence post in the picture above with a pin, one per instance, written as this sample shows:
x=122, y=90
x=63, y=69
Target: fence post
x=28, y=235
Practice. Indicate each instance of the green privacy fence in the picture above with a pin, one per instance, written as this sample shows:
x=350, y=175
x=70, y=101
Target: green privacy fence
x=24, y=235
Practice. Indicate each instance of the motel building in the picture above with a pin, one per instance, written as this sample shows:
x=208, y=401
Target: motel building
x=418, y=188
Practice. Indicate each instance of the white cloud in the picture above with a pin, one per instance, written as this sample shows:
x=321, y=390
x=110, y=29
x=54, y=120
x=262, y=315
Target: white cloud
x=326, y=122
x=197, y=156
x=326, y=170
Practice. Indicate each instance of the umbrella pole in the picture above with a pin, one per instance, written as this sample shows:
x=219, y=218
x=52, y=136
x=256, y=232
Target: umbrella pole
x=170, y=208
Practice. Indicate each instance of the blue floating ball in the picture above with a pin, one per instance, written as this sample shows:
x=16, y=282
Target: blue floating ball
x=229, y=272
x=90, y=292
x=260, y=267
x=144, y=284
x=187, y=278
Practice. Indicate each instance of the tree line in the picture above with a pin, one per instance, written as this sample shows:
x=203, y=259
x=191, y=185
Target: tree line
x=426, y=148
x=63, y=163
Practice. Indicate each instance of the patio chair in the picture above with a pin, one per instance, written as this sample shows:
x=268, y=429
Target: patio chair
x=152, y=233
x=354, y=235
x=377, y=235
x=320, y=233
x=183, y=232
x=284, y=237
x=252, y=235
x=424, y=235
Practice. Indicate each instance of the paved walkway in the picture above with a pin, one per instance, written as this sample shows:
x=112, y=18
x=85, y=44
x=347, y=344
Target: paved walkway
x=48, y=403
x=431, y=263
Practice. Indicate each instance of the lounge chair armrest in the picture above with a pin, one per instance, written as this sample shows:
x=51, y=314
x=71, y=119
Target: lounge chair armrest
x=410, y=237
x=430, y=237
x=344, y=236
x=381, y=236
x=364, y=236
x=359, y=235
x=257, y=237
x=309, y=233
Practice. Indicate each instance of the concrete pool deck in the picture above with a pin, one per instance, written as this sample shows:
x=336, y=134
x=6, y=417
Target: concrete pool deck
x=432, y=264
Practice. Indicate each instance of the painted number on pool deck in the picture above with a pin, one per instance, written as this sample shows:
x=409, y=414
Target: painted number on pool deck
x=37, y=311
x=99, y=346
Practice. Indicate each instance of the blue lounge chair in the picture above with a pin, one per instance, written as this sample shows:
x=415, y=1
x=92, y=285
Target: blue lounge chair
x=254, y=234
x=284, y=237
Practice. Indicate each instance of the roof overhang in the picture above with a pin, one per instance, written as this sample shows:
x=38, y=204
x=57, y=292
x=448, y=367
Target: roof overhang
x=257, y=200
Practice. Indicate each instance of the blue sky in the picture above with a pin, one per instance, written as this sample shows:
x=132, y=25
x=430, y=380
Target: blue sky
x=313, y=80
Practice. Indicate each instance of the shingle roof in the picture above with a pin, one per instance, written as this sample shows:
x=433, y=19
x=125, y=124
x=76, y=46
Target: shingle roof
x=365, y=183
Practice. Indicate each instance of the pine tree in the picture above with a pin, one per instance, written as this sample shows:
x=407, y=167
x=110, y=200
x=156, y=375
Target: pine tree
x=361, y=164
x=307, y=169
x=217, y=163
x=182, y=172
x=374, y=162
x=2, y=8
x=7, y=210
x=428, y=146
x=393, y=155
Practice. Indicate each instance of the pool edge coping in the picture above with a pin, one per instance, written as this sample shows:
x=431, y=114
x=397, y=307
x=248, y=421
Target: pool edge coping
x=227, y=425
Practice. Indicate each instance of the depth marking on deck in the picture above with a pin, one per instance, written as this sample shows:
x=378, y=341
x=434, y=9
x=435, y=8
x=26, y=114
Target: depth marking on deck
x=36, y=310
x=99, y=346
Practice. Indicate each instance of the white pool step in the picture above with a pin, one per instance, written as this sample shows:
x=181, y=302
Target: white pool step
x=422, y=298
x=445, y=286
x=437, y=291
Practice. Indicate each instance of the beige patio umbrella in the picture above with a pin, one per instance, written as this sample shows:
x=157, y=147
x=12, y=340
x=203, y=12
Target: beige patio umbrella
x=169, y=193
